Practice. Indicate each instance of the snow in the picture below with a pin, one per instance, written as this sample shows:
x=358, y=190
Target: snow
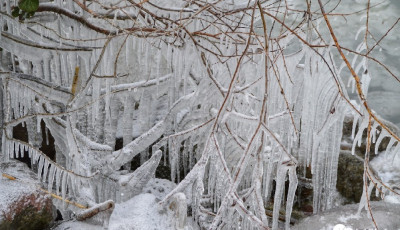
x=159, y=187
x=141, y=212
x=385, y=215
x=341, y=227
x=394, y=199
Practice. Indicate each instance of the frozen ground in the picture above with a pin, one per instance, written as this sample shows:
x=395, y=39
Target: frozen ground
x=139, y=213
x=385, y=214
x=142, y=212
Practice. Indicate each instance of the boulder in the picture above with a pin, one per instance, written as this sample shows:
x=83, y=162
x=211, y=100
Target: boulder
x=23, y=205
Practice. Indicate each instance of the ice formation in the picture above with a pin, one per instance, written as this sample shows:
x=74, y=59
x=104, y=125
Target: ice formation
x=190, y=85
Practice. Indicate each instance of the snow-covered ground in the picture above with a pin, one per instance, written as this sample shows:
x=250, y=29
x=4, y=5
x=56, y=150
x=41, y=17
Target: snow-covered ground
x=385, y=214
x=141, y=212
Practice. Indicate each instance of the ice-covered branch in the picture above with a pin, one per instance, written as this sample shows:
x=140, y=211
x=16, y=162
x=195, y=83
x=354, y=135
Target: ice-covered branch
x=120, y=157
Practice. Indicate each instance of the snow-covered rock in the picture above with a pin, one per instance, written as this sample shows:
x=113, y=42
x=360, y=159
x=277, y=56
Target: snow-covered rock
x=22, y=203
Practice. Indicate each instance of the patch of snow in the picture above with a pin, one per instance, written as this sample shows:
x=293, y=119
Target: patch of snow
x=394, y=199
x=345, y=218
x=385, y=214
x=159, y=187
x=341, y=227
x=69, y=225
x=141, y=213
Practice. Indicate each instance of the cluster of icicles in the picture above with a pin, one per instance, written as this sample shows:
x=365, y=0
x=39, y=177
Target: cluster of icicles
x=48, y=171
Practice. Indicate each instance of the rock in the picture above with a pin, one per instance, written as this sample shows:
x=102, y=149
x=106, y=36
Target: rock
x=22, y=204
x=351, y=167
x=350, y=176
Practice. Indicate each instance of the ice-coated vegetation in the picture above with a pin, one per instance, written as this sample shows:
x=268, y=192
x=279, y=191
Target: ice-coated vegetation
x=237, y=99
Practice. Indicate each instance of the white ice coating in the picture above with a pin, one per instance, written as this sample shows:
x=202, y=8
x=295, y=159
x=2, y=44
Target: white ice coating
x=198, y=100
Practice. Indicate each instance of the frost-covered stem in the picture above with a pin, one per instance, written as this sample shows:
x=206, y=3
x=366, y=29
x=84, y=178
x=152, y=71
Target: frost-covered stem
x=293, y=159
x=258, y=172
x=367, y=26
x=90, y=212
x=257, y=178
x=365, y=175
x=178, y=204
x=7, y=113
x=2, y=112
x=210, y=75
x=245, y=156
x=84, y=86
x=373, y=177
x=242, y=208
x=366, y=188
x=124, y=155
x=221, y=158
x=200, y=165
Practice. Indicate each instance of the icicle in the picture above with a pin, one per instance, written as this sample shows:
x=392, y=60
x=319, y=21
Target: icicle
x=4, y=144
x=128, y=51
x=45, y=169
x=280, y=184
x=169, y=55
x=58, y=180
x=40, y=167
x=290, y=196
x=32, y=156
x=389, y=146
x=382, y=135
x=52, y=172
x=146, y=58
x=70, y=185
x=64, y=186
x=17, y=148
x=38, y=127
x=10, y=149
x=46, y=67
x=363, y=201
x=47, y=136
x=358, y=137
